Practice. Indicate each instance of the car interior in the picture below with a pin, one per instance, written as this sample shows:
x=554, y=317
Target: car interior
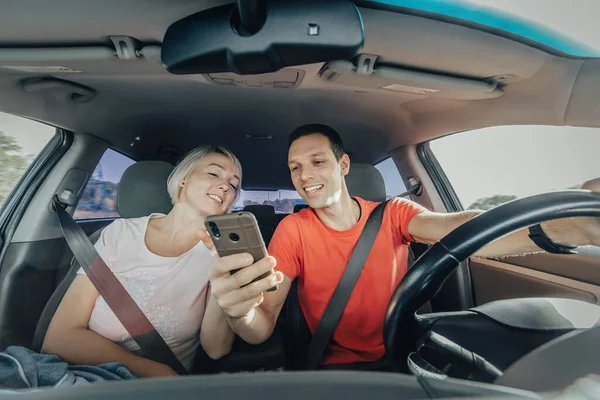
x=153, y=79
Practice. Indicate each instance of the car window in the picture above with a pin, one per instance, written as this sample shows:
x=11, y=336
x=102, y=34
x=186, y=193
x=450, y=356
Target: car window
x=99, y=199
x=283, y=200
x=488, y=167
x=21, y=140
x=394, y=185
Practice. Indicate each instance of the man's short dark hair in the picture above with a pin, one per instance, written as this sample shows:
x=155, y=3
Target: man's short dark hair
x=334, y=138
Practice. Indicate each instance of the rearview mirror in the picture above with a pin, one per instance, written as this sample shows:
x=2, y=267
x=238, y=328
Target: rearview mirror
x=257, y=36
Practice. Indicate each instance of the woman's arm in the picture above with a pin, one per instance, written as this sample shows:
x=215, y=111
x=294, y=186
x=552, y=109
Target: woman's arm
x=216, y=336
x=69, y=337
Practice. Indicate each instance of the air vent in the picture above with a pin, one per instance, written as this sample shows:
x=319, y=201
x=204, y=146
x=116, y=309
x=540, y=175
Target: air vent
x=287, y=78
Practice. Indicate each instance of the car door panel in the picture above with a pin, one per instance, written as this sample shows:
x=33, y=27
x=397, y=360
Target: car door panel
x=583, y=266
x=38, y=264
x=494, y=280
x=30, y=273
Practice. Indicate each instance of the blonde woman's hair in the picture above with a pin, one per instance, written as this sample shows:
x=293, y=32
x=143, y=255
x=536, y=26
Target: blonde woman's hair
x=189, y=162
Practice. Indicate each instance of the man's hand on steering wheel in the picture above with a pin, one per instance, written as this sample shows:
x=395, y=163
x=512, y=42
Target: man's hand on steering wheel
x=579, y=231
x=429, y=227
x=589, y=227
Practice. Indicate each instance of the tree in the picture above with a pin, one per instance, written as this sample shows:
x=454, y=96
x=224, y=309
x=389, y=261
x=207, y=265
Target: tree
x=12, y=165
x=486, y=203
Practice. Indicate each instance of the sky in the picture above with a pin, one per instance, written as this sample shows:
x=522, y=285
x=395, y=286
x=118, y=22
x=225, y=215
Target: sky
x=574, y=18
x=32, y=136
x=485, y=162
x=114, y=165
x=394, y=185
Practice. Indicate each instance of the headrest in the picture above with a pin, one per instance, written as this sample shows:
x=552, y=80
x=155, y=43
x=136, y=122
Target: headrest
x=365, y=181
x=261, y=210
x=143, y=189
x=299, y=207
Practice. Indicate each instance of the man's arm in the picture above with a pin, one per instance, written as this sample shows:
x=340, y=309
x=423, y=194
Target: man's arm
x=429, y=227
x=258, y=325
x=250, y=310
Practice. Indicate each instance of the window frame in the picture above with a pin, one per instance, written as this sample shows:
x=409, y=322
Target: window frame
x=461, y=278
x=438, y=177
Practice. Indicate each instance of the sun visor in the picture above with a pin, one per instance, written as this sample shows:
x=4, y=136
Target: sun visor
x=366, y=73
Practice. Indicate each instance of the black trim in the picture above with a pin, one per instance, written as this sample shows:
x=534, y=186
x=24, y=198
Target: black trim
x=452, y=204
x=252, y=15
x=439, y=178
x=18, y=201
x=468, y=24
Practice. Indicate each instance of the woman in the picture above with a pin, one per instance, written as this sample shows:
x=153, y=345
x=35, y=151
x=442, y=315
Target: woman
x=163, y=261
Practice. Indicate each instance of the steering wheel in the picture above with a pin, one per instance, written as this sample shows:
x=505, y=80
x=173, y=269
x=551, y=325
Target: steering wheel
x=403, y=328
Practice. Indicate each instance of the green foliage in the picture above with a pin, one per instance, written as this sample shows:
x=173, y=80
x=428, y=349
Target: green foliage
x=12, y=165
x=486, y=203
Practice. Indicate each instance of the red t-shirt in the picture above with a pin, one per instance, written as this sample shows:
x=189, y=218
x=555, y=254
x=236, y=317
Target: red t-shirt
x=317, y=255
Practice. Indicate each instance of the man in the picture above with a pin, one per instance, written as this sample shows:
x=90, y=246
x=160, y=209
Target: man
x=315, y=245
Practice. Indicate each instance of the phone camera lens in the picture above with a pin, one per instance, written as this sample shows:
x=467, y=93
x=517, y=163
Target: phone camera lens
x=234, y=236
x=215, y=229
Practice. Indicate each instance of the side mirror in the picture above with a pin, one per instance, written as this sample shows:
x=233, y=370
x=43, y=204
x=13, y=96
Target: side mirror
x=260, y=36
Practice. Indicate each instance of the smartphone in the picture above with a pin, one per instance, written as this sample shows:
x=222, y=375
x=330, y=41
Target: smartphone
x=238, y=233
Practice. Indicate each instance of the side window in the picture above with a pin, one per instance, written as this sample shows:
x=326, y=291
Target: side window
x=99, y=199
x=21, y=140
x=394, y=185
x=491, y=166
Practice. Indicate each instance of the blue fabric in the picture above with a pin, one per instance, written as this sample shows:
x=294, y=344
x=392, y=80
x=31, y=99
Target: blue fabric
x=21, y=368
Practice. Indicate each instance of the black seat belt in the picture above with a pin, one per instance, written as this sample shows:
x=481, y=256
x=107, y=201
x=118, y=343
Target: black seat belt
x=112, y=291
x=339, y=299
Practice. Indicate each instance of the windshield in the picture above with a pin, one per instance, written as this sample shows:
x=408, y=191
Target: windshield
x=560, y=26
